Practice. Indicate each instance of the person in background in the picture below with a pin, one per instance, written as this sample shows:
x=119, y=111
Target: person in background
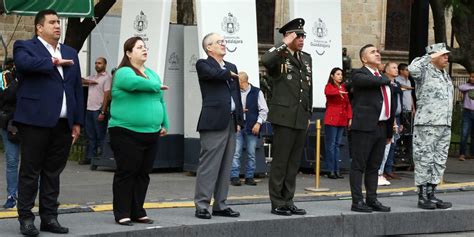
x=97, y=109
x=391, y=71
x=432, y=124
x=381, y=67
x=255, y=113
x=138, y=119
x=467, y=90
x=8, y=89
x=49, y=114
x=408, y=112
x=338, y=116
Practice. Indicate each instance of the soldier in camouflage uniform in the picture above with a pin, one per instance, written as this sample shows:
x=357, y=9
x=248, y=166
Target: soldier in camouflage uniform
x=289, y=70
x=432, y=125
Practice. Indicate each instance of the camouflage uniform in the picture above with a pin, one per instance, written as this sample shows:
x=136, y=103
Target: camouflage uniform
x=432, y=125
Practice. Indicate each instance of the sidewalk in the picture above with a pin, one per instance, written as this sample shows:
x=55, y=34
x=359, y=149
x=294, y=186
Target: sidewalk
x=324, y=218
x=83, y=190
x=86, y=195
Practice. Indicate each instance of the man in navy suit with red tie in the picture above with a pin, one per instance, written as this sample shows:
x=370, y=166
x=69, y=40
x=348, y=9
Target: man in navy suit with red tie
x=372, y=127
x=49, y=114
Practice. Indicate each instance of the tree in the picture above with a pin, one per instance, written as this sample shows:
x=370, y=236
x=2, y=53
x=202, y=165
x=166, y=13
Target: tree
x=185, y=11
x=78, y=31
x=462, y=23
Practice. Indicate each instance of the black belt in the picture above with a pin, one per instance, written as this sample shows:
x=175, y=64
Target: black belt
x=382, y=123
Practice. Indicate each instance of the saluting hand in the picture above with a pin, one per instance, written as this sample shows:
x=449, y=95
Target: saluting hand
x=234, y=75
x=62, y=62
x=289, y=37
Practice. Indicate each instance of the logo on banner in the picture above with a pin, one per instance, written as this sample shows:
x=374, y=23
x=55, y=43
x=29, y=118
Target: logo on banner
x=173, y=62
x=192, y=63
x=141, y=23
x=231, y=26
x=320, y=42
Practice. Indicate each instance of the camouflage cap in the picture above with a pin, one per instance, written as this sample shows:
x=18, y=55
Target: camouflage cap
x=437, y=48
x=295, y=25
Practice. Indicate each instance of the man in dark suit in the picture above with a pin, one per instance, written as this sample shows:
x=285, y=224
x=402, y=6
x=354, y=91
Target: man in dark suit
x=221, y=116
x=373, y=108
x=49, y=113
x=290, y=72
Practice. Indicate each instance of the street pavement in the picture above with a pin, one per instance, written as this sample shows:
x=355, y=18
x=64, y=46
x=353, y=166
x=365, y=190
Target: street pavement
x=80, y=185
x=87, y=195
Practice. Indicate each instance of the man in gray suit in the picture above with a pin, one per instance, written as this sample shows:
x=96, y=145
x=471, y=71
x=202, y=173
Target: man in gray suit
x=221, y=116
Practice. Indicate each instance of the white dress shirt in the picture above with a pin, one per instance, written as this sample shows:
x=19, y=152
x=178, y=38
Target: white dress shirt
x=382, y=116
x=56, y=53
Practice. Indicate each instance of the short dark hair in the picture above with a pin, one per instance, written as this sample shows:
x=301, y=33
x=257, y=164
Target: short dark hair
x=103, y=60
x=40, y=16
x=362, y=50
x=402, y=66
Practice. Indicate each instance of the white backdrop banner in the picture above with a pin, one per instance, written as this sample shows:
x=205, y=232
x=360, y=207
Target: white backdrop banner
x=323, y=40
x=150, y=20
x=236, y=21
x=192, y=92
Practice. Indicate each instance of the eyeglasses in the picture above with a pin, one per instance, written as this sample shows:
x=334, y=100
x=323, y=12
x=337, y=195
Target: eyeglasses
x=219, y=42
x=303, y=36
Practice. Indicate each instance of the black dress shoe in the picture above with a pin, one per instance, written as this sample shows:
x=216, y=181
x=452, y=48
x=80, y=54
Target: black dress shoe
x=360, y=206
x=377, y=206
x=235, y=181
x=296, y=211
x=143, y=221
x=281, y=211
x=332, y=175
x=339, y=175
x=28, y=228
x=202, y=214
x=250, y=181
x=125, y=223
x=53, y=226
x=228, y=212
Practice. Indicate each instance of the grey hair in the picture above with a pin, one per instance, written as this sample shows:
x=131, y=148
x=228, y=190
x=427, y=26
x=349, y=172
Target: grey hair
x=206, y=41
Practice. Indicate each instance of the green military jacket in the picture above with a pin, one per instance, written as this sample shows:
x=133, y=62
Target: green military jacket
x=291, y=80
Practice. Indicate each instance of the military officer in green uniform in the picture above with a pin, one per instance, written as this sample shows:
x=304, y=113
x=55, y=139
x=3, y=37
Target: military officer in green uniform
x=289, y=70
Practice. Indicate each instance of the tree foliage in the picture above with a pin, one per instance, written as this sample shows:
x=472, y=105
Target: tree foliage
x=462, y=24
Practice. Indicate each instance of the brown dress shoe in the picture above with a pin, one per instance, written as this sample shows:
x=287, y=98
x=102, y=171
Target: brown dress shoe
x=393, y=175
x=462, y=158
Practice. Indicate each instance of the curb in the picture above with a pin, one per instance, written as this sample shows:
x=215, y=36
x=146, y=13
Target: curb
x=243, y=200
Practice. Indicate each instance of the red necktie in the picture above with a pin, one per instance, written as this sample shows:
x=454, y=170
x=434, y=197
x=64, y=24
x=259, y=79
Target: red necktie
x=385, y=97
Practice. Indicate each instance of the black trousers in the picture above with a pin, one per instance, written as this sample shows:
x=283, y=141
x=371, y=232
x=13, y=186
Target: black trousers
x=44, y=153
x=288, y=144
x=367, y=149
x=134, y=155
